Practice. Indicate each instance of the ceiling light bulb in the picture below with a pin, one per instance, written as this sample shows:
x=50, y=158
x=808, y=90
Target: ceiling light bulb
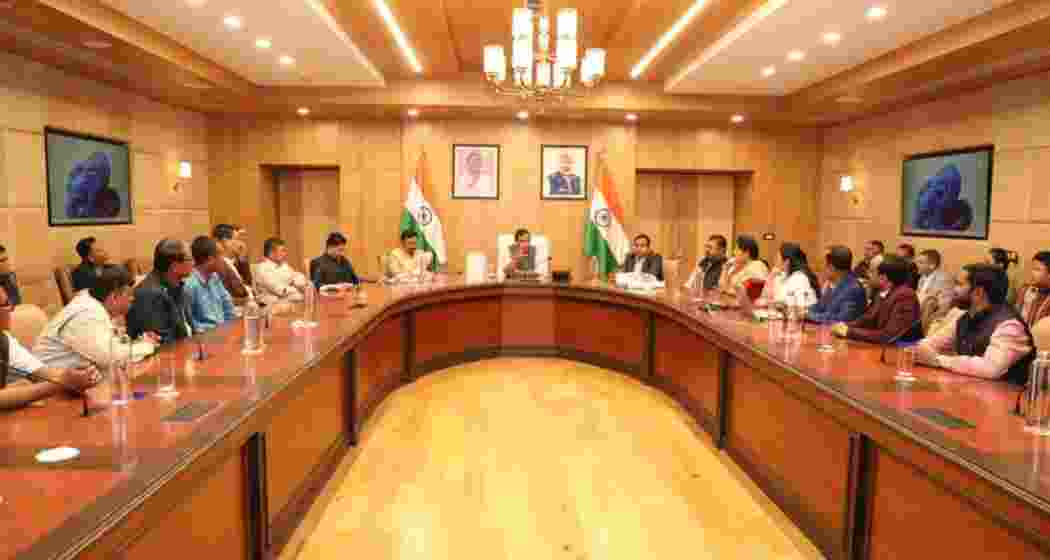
x=286, y=60
x=796, y=55
x=195, y=3
x=832, y=37
x=737, y=119
x=523, y=115
x=263, y=43
x=413, y=112
x=233, y=22
x=303, y=111
x=769, y=71
x=876, y=12
x=632, y=117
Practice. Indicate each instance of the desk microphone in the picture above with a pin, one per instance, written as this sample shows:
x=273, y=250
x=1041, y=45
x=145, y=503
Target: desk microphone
x=36, y=377
x=897, y=337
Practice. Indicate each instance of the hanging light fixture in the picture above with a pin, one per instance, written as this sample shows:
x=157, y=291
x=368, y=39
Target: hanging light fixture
x=542, y=69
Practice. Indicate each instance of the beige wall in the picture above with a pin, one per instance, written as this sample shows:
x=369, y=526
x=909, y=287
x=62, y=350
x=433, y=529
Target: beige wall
x=377, y=158
x=34, y=96
x=309, y=205
x=1014, y=116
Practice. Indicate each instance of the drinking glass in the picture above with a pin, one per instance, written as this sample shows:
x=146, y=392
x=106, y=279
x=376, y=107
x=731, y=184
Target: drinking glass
x=1037, y=400
x=825, y=340
x=166, y=373
x=905, y=364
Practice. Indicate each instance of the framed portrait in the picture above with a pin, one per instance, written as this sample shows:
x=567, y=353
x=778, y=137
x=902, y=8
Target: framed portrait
x=88, y=179
x=475, y=171
x=564, y=172
x=947, y=194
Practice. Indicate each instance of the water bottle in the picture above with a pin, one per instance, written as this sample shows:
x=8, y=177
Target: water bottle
x=793, y=318
x=252, y=328
x=120, y=367
x=1037, y=396
x=309, y=306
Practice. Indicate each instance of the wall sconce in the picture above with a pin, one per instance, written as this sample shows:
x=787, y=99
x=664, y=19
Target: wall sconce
x=846, y=183
x=185, y=173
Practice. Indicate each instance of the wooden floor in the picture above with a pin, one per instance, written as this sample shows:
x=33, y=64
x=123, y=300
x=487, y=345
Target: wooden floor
x=539, y=458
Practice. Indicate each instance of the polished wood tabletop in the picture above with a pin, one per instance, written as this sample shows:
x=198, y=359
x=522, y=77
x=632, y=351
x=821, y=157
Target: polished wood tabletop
x=126, y=453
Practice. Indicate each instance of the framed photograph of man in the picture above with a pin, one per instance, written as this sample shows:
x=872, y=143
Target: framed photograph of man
x=564, y=172
x=475, y=171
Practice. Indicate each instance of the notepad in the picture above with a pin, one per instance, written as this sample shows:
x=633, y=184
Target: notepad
x=942, y=418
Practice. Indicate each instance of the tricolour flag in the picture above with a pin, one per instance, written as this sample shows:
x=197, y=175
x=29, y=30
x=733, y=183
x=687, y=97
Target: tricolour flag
x=603, y=235
x=419, y=216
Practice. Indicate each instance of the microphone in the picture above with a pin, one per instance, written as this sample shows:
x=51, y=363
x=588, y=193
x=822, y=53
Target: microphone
x=896, y=337
x=36, y=377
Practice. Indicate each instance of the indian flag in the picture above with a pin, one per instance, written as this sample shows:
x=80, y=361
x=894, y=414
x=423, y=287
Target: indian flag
x=603, y=235
x=419, y=216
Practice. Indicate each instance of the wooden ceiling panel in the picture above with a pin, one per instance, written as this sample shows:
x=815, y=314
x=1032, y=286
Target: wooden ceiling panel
x=475, y=24
x=642, y=25
x=425, y=24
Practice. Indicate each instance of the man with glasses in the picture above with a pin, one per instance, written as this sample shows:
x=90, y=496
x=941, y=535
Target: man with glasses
x=82, y=333
x=19, y=366
x=160, y=306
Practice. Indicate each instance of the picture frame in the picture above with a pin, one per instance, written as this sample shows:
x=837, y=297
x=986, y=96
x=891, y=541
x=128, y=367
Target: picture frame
x=948, y=194
x=563, y=172
x=475, y=171
x=88, y=179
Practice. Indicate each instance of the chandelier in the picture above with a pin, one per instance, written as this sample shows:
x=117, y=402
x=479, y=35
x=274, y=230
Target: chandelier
x=536, y=73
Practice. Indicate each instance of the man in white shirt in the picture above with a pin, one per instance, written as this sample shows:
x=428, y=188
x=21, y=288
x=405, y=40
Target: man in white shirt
x=82, y=333
x=935, y=283
x=16, y=362
x=275, y=279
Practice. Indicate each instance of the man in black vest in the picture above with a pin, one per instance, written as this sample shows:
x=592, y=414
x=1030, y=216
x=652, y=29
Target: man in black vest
x=983, y=337
x=643, y=259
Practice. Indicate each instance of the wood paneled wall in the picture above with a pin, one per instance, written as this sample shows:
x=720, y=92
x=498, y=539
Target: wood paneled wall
x=309, y=208
x=377, y=158
x=35, y=96
x=1014, y=116
x=682, y=211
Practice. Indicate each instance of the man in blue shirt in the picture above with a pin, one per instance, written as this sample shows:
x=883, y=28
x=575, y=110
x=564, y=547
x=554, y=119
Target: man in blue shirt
x=210, y=305
x=845, y=300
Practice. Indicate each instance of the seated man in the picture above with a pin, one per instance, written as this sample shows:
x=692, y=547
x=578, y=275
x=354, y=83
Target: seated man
x=92, y=258
x=893, y=314
x=16, y=363
x=82, y=333
x=869, y=265
x=229, y=251
x=643, y=259
x=210, y=305
x=845, y=300
x=1035, y=297
x=8, y=281
x=406, y=260
x=333, y=268
x=709, y=269
x=160, y=304
x=522, y=255
x=936, y=289
x=276, y=279
x=983, y=337
x=906, y=251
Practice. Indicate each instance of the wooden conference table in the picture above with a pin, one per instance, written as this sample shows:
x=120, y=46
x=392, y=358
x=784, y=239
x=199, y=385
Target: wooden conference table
x=867, y=467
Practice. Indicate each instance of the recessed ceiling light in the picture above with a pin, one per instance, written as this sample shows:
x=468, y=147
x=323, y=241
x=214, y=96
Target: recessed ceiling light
x=631, y=117
x=303, y=111
x=97, y=44
x=876, y=12
x=232, y=22
x=413, y=112
x=796, y=55
x=667, y=37
x=196, y=3
x=523, y=115
x=263, y=43
x=769, y=71
x=399, y=36
x=286, y=60
x=737, y=119
x=832, y=37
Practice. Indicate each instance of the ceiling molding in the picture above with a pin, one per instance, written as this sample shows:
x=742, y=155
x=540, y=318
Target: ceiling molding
x=998, y=32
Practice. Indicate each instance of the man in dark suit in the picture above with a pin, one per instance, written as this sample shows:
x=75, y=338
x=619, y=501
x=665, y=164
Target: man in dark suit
x=92, y=258
x=564, y=181
x=643, y=259
x=160, y=305
x=894, y=311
